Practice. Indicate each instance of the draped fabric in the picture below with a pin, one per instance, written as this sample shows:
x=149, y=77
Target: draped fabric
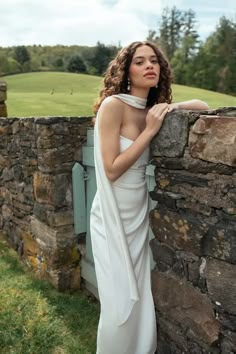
x=119, y=234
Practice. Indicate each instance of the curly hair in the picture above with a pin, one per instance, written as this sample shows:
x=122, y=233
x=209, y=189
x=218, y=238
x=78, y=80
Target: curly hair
x=116, y=76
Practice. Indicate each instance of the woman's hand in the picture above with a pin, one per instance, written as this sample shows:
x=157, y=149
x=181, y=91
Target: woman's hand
x=173, y=106
x=155, y=117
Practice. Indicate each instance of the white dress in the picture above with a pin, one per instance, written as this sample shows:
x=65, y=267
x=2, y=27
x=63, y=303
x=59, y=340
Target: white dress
x=119, y=233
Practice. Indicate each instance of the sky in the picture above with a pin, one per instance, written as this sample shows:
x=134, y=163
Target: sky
x=85, y=22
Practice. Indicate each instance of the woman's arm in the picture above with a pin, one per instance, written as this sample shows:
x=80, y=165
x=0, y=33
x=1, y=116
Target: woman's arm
x=191, y=105
x=110, y=121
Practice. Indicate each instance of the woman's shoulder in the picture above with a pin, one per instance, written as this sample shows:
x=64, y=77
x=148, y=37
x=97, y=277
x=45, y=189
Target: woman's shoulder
x=112, y=102
x=111, y=111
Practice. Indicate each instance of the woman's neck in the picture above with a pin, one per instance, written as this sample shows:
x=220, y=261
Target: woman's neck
x=142, y=93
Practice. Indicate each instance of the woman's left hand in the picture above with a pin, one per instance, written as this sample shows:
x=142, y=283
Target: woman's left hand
x=172, y=107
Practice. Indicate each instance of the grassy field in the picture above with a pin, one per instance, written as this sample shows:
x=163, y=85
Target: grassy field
x=36, y=319
x=214, y=99
x=67, y=94
x=51, y=94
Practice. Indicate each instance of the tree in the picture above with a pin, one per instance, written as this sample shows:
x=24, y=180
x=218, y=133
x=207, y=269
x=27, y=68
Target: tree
x=188, y=48
x=153, y=37
x=226, y=39
x=172, y=22
x=179, y=40
x=102, y=56
x=190, y=37
x=76, y=65
x=58, y=63
x=22, y=56
x=214, y=65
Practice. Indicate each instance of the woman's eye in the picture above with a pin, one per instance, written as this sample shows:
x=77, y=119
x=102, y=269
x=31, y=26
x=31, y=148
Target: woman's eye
x=154, y=61
x=139, y=62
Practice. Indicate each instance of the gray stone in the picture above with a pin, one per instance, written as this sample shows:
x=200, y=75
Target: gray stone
x=228, y=345
x=227, y=320
x=162, y=253
x=181, y=231
x=173, y=136
x=214, y=139
x=49, y=189
x=187, y=162
x=178, y=301
x=211, y=190
x=60, y=218
x=218, y=242
x=226, y=111
x=221, y=283
x=7, y=175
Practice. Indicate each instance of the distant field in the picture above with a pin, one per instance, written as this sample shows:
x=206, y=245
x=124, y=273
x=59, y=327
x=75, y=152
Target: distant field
x=214, y=99
x=67, y=94
x=51, y=94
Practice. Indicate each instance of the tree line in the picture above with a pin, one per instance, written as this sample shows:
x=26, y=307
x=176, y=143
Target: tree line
x=81, y=59
x=208, y=64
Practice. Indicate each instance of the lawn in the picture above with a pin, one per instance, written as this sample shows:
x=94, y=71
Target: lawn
x=36, y=319
x=214, y=99
x=51, y=94
x=68, y=94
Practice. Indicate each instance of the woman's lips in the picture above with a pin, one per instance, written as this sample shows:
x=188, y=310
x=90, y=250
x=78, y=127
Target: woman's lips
x=150, y=74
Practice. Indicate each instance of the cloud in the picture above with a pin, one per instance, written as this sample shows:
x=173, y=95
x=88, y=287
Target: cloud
x=84, y=22
x=77, y=22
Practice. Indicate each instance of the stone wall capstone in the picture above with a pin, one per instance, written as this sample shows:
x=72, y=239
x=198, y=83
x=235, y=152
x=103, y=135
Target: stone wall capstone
x=194, y=223
x=36, y=160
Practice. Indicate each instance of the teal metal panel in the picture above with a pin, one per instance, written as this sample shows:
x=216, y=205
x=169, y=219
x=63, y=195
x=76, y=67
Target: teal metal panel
x=87, y=264
x=89, y=275
x=90, y=135
x=91, y=188
x=150, y=177
x=88, y=156
x=79, y=204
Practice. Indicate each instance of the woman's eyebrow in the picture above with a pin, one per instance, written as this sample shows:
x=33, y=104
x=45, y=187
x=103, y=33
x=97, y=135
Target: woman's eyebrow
x=142, y=57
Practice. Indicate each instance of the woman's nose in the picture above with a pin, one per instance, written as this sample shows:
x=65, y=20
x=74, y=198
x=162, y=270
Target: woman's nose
x=149, y=64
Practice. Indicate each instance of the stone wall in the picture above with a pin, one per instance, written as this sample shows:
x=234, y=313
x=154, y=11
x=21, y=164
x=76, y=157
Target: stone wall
x=36, y=159
x=194, y=222
x=3, y=98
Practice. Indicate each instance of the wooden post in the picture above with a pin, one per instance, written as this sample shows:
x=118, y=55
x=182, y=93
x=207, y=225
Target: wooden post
x=3, y=97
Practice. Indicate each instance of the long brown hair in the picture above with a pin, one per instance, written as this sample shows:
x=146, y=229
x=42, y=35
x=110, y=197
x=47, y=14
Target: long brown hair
x=116, y=76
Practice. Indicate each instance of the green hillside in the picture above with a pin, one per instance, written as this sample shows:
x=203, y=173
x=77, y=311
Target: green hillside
x=51, y=94
x=67, y=94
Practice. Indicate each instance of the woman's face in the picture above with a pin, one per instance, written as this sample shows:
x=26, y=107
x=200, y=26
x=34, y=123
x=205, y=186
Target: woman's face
x=144, y=70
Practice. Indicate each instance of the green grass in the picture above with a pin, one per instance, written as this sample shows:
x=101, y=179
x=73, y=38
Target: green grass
x=214, y=99
x=36, y=319
x=31, y=94
x=74, y=94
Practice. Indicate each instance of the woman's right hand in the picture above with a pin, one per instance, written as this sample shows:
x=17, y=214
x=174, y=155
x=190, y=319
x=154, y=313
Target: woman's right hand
x=155, y=117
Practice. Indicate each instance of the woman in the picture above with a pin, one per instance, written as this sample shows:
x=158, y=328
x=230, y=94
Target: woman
x=132, y=106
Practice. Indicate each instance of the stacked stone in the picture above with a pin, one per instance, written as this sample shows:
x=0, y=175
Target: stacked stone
x=194, y=223
x=37, y=156
x=18, y=162
x=3, y=98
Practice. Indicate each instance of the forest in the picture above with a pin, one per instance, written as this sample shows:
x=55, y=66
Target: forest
x=208, y=64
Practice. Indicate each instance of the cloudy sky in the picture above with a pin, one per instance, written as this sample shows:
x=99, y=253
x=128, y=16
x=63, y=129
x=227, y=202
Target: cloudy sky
x=84, y=22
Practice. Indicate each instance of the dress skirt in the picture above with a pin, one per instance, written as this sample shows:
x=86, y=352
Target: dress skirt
x=119, y=232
